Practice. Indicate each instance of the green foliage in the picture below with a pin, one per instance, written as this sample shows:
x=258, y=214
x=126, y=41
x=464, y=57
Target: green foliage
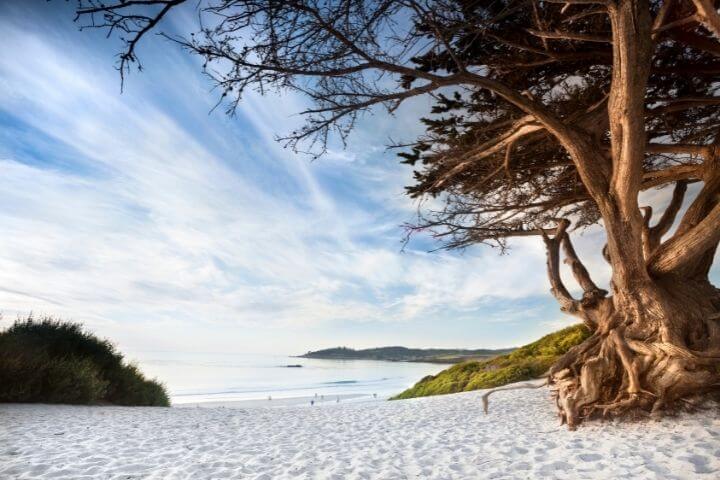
x=525, y=363
x=51, y=361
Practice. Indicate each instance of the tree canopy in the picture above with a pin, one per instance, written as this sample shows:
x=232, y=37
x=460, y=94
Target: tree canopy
x=547, y=115
x=512, y=79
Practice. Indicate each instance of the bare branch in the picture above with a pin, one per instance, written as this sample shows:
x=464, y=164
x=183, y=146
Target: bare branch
x=522, y=128
x=708, y=15
x=663, y=226
x=552, y=245
x=676, y=253
x=677, y=148
x=136, y=26
x=655, y=178
x=592, y=293
x=581, y=37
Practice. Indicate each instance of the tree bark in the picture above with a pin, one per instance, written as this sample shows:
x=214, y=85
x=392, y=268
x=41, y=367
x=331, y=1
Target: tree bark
x=649, y=364
x=632, y=44
x=656, y=340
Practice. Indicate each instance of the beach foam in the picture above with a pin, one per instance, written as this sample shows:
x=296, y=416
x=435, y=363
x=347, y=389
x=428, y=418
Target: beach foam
x=444, y=437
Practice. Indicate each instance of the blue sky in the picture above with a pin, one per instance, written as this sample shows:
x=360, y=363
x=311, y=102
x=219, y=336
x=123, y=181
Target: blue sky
x=165, y=227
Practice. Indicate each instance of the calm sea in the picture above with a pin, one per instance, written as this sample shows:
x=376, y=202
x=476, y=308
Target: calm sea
x=208, y=378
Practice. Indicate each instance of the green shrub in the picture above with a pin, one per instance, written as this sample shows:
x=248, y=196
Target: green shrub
x=128, y=386
x=72, y=380
x=51, y=361
x=527, y=362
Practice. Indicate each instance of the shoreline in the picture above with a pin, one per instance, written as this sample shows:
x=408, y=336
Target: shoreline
x=276, y=402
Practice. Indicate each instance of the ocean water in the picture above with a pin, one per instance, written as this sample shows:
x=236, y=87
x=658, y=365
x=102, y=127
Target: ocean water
x=210, y=378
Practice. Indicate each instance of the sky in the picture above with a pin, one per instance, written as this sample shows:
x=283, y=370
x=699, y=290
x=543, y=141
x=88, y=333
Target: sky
x=166, y=226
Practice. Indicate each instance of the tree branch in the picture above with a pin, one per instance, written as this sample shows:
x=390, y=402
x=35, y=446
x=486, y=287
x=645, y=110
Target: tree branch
x=677, y=253
x=552, y=245
x=695, y=41
x=663, y=226
x=708, y=15
x=677, y=148
x=128, y=23
x=684, y=103
x=647, y=215
x=521, y=128
x=661, y=16
x=655, y=178
x=558, y=35
x=591, y=292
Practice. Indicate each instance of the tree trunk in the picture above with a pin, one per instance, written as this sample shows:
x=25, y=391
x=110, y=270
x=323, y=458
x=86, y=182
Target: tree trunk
x=652, y=363
x=656, y=340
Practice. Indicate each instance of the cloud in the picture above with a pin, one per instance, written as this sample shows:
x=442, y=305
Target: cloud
x=160, y=217
x=140, y=214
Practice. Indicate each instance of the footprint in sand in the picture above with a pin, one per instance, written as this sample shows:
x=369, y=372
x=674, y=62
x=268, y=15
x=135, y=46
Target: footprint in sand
x=552, y=468
x=700, y=463
x=590, y=457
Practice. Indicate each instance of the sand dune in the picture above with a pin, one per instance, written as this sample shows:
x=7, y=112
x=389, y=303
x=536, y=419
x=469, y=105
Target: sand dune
x=435, y=438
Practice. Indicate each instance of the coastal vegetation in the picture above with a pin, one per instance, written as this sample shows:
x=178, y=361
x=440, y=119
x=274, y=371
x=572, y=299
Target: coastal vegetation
x=403, y=354
x=525, y=363
x=543, y=118
x=51, y=361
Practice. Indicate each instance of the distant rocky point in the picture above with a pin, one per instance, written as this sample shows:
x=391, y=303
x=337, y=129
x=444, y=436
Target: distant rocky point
x=403, y=354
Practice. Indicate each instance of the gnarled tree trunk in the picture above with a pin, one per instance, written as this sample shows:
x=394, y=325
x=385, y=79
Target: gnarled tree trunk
x=655, y=342
x=656, y=339
x=649, y=361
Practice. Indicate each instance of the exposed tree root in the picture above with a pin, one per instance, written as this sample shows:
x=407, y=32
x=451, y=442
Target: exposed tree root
x=666, y=360
x=628, y=367
x=654, y=346
x=520, y=386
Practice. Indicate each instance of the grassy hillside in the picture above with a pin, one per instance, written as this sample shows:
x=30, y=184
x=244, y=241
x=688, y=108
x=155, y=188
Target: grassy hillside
x=524, y=363
x=49, y=361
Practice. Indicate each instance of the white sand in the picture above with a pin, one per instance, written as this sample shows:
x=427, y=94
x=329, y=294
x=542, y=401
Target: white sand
x=436, y=438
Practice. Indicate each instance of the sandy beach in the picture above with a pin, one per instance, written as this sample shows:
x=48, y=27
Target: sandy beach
x=444, y=437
